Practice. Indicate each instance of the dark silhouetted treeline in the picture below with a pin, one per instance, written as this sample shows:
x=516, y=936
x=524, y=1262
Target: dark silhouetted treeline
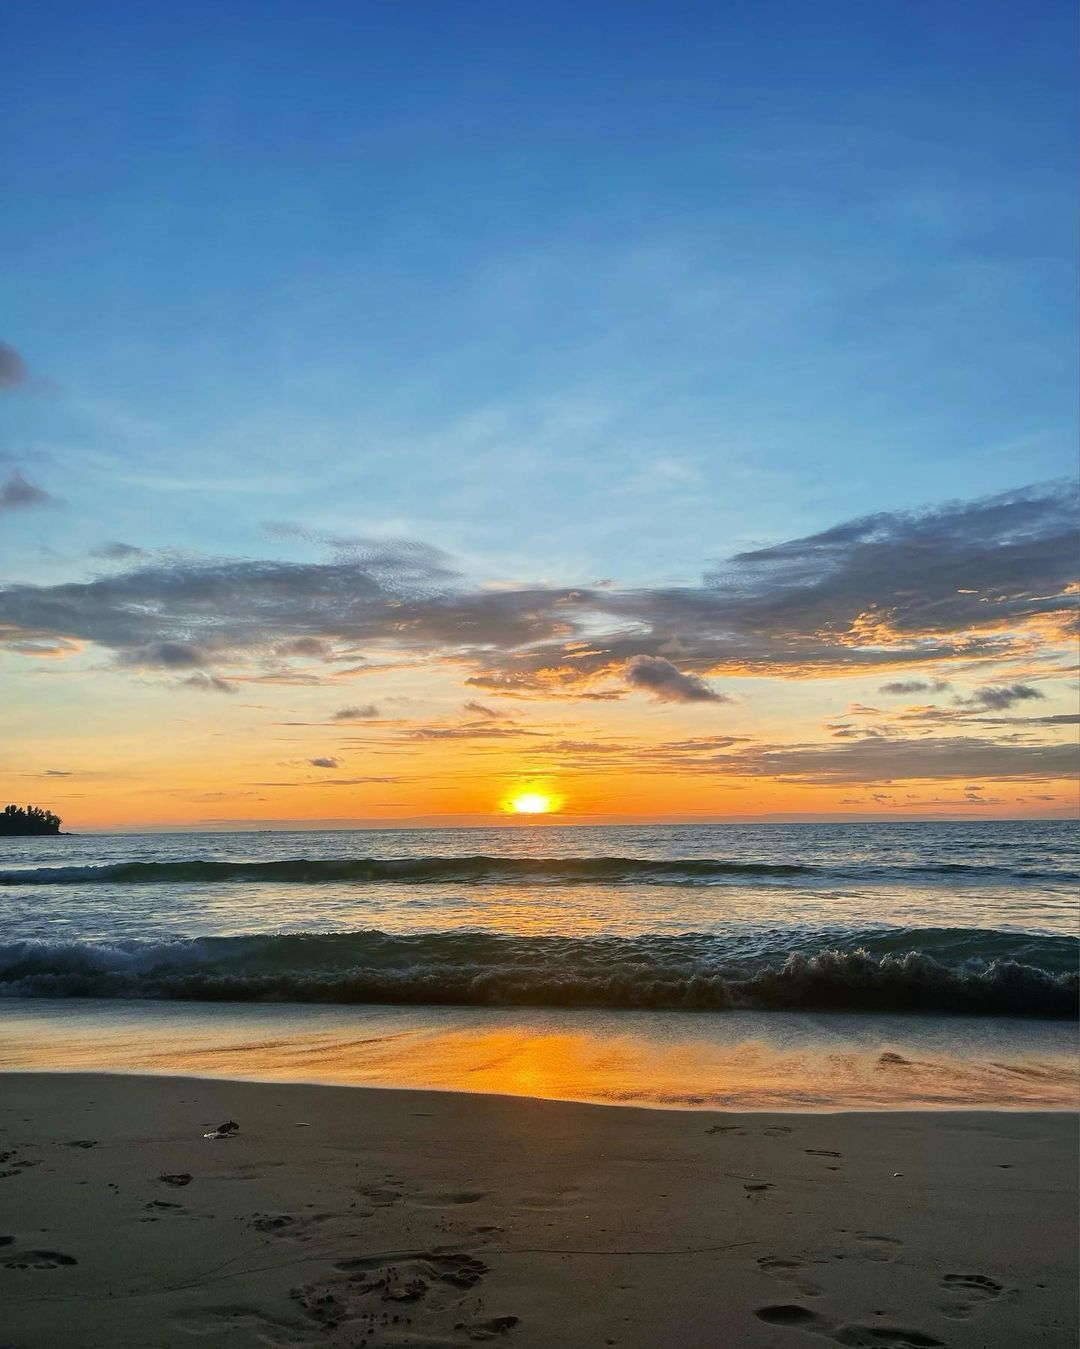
x=28, y=820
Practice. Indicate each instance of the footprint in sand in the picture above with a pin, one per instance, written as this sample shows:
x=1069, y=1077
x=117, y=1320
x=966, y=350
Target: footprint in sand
x=296, y=1226
x=16, y=1165
x=783, y=1267
x=883, y=1337
x=970, y=1291
x=457, y=1267
x=39, y=1260
x=789, y=1314
x=850, y=1333
x=273, y=1222
x=176, y=1178
x=383, y=1196
x=364, y=1283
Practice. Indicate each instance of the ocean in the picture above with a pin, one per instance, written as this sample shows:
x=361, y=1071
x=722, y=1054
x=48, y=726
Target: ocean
x=776, y=966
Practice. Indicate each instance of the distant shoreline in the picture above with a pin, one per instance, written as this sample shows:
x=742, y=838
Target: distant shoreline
x=518, y=825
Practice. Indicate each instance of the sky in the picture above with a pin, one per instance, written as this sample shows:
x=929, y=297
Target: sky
x=669, y=411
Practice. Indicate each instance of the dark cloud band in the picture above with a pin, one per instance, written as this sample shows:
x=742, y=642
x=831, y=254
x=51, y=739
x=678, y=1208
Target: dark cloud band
x=973, y=581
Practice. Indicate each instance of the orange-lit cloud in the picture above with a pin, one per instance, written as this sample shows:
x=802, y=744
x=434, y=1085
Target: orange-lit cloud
x=628, y=694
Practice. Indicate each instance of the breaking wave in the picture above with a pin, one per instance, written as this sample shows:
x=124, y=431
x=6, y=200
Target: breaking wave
x=482, y=869
x=694, y=971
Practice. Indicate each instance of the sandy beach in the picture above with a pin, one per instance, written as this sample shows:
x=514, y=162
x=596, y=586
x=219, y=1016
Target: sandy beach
x=355, y=1217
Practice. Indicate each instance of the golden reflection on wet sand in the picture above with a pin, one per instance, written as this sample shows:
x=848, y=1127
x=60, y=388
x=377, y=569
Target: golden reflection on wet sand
x=736, y=1061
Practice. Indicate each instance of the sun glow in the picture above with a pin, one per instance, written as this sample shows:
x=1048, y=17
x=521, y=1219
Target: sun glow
x=532, y=803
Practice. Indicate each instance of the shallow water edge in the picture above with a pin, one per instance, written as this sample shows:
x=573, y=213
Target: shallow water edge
x=675, y=1060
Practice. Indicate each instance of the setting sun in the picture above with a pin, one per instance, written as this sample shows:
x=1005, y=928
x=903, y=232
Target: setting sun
x=532, y=803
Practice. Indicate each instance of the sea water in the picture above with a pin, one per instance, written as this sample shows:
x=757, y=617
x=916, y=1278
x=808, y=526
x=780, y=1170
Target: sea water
x=753, y=966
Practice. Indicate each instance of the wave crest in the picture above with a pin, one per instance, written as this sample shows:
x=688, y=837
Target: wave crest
x=403, y=870
x=488, y=969
x=481, y=869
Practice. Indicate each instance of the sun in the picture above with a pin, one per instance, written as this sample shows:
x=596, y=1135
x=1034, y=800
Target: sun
x=532, y=803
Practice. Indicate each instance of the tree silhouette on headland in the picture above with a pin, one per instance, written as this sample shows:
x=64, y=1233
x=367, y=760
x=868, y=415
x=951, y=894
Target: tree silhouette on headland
x=28, y=820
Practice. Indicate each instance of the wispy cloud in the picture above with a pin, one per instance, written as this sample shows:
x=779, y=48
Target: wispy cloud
x=13, y=371
x=862, y=759
x=18, y=493
x=367, y=712
x=667, y=684
x=879, y=761
x=998, y=697
x=475, y=730
x=207, y=683
x=327, y=782
x=968, y=582
x=899, y=687
x=482, y=710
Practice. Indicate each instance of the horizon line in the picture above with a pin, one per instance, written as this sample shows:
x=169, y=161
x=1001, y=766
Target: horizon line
x=428, y=823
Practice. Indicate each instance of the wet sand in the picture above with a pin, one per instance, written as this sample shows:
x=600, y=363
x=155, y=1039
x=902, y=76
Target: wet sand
x=692, y=1060
x=356, y=1217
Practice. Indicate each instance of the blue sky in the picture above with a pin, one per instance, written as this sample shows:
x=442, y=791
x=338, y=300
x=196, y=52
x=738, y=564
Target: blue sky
x=479, y=272
x=569, y=291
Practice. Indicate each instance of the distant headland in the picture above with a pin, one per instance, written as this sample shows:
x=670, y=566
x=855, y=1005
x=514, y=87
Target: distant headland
x=28, y=820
